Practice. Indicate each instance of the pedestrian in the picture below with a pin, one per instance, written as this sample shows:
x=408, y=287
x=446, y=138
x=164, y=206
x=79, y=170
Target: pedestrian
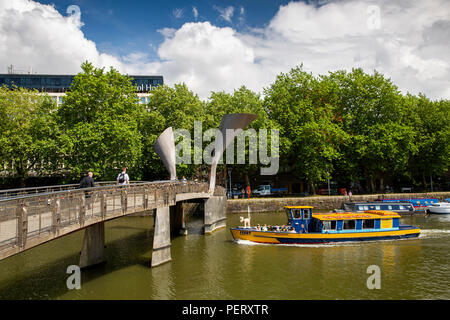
x=183, y=180
x=123, y=178
x=248, y=192
x=87, y=182
x=350, y=195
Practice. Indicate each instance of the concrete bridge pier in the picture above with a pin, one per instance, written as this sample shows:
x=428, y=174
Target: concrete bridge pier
x=93, y=250
x=177, y=223
x=215, y=213
x=161, y=237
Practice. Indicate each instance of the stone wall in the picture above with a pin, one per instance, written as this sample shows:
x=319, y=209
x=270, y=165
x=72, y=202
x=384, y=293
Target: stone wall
x=318, y=202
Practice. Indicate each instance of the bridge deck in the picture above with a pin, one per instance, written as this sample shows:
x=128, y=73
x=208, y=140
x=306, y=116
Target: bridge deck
x=30, y=220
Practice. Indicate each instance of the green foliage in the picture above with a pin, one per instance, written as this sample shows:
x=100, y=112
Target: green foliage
x=344, y=125
x=28, y=132
x=431, y=125
x=242, y=100
x=176, y=107
x=311, y=137
x=99, y=120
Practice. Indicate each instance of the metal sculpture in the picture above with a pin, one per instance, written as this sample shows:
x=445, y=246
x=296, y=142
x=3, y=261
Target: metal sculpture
x=236, y=122
x=165, y=148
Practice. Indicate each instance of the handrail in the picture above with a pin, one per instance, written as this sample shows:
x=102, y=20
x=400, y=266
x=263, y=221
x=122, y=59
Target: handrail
x=17, y=192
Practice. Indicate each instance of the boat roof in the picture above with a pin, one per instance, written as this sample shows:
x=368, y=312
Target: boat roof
x=368, y=214
x=298, y=207
x=377, y=203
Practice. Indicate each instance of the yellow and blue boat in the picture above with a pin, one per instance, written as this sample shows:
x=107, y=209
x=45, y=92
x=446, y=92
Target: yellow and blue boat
x=304, y=227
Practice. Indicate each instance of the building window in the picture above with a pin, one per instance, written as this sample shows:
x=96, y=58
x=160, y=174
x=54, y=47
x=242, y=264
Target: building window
x=297, y=213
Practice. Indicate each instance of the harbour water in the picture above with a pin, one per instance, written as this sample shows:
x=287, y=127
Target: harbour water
x=215, y=267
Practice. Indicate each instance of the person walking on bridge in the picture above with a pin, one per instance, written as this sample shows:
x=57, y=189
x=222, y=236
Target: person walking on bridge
x=123, y=178
x=87, y=182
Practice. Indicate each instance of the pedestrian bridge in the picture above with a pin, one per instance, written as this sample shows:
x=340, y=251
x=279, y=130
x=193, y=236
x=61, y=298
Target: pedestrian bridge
x=32, y=216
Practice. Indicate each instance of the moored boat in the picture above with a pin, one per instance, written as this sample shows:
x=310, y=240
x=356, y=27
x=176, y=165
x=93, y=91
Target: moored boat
x=304, y=227
x=420, y=204
x=440, y=207
x=398, y=207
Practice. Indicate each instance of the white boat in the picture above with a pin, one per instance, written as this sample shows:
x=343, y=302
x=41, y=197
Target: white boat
x=440, y=207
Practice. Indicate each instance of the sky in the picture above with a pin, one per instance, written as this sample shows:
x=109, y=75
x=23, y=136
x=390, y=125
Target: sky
x=221, y=45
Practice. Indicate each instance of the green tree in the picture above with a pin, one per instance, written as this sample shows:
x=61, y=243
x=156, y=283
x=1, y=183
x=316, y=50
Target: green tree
x=311, y=137
x=376, y=120
x=242, y=100
x=175, y=107
x=431, y=121
x=100, y=120
x=28, y=132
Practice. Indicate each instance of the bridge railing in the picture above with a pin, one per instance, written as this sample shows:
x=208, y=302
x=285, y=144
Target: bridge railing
x=33, y=217
x=17, y=192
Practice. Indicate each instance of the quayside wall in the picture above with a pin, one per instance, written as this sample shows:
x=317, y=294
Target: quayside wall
x=318, y=202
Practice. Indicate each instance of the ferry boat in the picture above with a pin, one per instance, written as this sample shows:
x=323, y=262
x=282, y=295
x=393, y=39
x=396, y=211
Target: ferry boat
x=304, y=227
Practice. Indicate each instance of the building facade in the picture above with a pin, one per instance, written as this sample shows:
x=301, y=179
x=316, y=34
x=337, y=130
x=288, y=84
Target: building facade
x=56, y=86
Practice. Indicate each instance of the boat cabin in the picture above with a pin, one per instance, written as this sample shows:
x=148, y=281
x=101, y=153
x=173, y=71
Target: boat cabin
x=418, y=203
x=299, y=217
x=303, y=220
x=400, y=207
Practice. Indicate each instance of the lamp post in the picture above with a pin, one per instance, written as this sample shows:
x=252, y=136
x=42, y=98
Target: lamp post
x=229, y=174
x=328, y=174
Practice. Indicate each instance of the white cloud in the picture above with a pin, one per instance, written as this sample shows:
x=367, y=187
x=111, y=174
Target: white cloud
x=408, y=44
x=195, y=12
x=208, y=58
x=177, y=13
x=225, y=13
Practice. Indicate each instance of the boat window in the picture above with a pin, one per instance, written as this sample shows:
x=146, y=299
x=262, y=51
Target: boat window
x=305, y=213
x=389, y=207
x=288, y=215
x=402, y=207
x=372, y=207
x=377, y=207
x=368, y=224
x=395, y=207
x=297, y=213
x=329, y=225
x=349, y=224
x=359, y=208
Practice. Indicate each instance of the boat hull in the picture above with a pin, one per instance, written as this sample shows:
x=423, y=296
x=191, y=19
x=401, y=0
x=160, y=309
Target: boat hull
x=439, y=210
x=320, y=238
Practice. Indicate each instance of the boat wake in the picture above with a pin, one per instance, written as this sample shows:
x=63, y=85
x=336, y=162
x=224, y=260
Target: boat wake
x=433, y=233
x=320, y=245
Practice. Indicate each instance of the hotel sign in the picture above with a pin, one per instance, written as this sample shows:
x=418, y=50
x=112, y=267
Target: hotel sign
x=144, y=87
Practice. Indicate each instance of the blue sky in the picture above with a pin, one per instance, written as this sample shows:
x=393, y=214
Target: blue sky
x=120, y=27
x=406, y=41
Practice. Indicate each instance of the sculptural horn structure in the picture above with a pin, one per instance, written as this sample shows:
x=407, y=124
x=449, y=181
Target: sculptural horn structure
x=237, y=122
x=165, y=148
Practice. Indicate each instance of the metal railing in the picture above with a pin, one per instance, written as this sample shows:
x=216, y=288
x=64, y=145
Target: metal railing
x=11, y=193
x=30, y=219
